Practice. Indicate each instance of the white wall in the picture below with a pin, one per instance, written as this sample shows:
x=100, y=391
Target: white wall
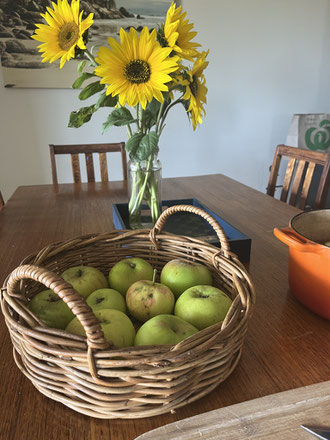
x=268, y=60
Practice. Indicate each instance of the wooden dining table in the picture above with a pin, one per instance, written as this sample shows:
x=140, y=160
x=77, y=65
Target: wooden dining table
x=287, y=346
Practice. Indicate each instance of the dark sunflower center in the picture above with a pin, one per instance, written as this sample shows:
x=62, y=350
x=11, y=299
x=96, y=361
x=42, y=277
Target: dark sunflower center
x=68, y=35
x=194, y=86
x=137, y=71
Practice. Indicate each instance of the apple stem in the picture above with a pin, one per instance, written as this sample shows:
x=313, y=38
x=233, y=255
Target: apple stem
x=154, y=277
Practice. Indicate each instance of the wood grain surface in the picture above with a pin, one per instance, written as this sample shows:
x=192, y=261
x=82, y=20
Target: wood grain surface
x=270, y=418
x=286, y=347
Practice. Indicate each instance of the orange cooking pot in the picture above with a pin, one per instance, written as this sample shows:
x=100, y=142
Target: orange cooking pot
x=308, y=238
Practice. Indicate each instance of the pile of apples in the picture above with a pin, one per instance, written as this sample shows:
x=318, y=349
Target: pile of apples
x=132, y=308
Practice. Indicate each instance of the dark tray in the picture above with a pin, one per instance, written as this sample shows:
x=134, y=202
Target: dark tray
x=191, y=225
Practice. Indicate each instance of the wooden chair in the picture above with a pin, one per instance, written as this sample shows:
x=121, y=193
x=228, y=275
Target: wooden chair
x=298, y=176
x=2, y=202
x=88, y=150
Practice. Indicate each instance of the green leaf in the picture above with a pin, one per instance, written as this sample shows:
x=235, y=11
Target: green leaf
x=150, y=114
x=132, y=145
x=149, y=118
x=186, y=104
x=78, y=82
x=81, y=66
x=106, y=101
x=80, y=117
x=180, y=88
x=154, y=106
x=90, y=90
x=118, y=117
x=167, y=97
x=140, y=146
x=148, y=145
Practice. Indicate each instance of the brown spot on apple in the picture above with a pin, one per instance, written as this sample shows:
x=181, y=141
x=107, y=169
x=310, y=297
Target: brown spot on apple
x=150, y=301
x=162, y=324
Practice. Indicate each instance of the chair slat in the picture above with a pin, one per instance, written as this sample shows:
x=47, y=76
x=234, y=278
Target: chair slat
x=273, y=175
x=287, y=179
x=124, y=161
x=306, y=185
x=88, y=149
x=75, y=168
x=103, y=167
x=322, y=192
x=90, y=167
x=297, y=182
x=2, y=202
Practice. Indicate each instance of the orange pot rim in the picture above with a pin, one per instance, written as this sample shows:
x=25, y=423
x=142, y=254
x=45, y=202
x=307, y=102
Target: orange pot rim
x=302, y=235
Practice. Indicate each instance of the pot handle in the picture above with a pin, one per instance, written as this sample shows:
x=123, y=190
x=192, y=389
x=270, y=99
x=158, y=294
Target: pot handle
x=297, y=242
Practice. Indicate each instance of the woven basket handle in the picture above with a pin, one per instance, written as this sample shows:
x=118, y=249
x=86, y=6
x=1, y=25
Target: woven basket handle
x=95, y=335
x=193, y=209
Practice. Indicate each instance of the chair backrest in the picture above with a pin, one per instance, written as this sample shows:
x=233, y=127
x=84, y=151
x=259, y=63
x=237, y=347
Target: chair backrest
x=88, y=150
x=2, y=202
x=298, y=176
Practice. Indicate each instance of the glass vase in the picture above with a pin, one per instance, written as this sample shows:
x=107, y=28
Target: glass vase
x=144, y=181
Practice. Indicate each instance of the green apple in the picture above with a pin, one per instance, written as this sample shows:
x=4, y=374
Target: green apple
x=102, y=299
x=126, y=272
x=164, y=329
x=202, y=306
x=85, y=279
x=179, y=275
x=118, y=329
x=51, y=309
x=146, y=299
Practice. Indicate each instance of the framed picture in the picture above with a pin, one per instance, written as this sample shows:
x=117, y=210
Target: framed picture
x=20, y=60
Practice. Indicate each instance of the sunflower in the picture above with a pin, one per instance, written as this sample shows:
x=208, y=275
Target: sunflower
x=167, y=34
x=136, y=69
x=178, y=33
x=196, y=90
x=63, y=32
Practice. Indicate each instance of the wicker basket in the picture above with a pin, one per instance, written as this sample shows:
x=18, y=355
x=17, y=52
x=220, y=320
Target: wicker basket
x=105, y=382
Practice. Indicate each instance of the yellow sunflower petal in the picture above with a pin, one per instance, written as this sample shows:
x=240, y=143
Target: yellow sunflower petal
x=63, y=32
x=196, y=90
x=136, y=69
x=178, y=33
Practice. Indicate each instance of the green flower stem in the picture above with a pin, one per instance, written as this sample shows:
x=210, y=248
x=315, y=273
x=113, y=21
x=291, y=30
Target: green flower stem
x=144, y=187
x=162, y=123
x=154, y=202
x=160, y=113
x=129, y=131
x=138, y=117
x=91, y=58
x=136, y=182
x=141, y=193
